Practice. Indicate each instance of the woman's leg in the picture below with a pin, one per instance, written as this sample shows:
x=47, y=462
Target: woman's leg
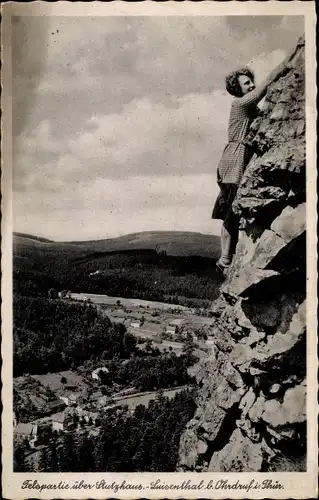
x=230, y=230
x=227, y=244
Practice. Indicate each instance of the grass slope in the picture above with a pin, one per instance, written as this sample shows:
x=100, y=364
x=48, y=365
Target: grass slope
x=178, y=243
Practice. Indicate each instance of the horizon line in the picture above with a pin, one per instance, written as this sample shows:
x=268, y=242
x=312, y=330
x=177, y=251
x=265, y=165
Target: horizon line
x=154, y=231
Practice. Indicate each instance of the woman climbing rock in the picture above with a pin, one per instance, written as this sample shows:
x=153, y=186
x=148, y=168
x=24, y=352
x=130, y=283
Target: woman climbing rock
x=236, y=155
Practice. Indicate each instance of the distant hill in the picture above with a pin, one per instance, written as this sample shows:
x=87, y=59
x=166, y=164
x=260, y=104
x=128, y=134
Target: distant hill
x=177, y=243
x=165, y=266
x=32, y=237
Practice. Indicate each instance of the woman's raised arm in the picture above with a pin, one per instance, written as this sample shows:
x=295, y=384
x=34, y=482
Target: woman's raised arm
x=259, y=92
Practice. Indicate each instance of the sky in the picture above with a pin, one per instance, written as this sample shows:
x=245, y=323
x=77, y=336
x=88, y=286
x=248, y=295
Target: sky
x=119, y=122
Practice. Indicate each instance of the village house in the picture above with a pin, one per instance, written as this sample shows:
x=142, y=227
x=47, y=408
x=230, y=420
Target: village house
x=53, y=407
x=120, y=321
x=26, y=431
x=91, y=416
x=70, y=398
x=170, y=329
x=103, y=401
x=96, y=373
x=62, y=421
x=95, y=396
x=177, y=322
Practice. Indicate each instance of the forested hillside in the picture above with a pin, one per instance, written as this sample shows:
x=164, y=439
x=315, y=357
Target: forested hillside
x=53, y=335
x=144, y=274
x=146, y=440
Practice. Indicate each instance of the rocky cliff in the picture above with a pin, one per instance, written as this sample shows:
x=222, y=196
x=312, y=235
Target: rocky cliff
x=251, y=413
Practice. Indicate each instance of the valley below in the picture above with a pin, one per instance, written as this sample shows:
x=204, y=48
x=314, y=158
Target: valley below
x=103, y=382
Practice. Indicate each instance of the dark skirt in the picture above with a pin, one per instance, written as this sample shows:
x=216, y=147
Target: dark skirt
x=223, y=208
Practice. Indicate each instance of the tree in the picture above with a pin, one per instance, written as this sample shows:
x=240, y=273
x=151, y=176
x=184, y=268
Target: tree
x=129, y=343
x=56, y=335
x=54, y=452
x=160, y=399
x=67, y=453
x=188, y=349
x=45, y=462
x=45, y=434
x=85, y=453
x=19, y=457
x=75, y=419
x=147, y=440
x=105, y=378
x=148, y=345
x=139, y=460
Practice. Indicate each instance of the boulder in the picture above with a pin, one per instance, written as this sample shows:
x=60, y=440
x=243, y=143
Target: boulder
x=291, y=223
x=188, y=452
x=291, y=411
x=239, y=455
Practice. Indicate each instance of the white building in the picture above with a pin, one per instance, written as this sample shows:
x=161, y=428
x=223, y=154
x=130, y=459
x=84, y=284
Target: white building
x=177, y=322
x=171, y=329
x=61, y=421
x=26, y=431
x=69, y=398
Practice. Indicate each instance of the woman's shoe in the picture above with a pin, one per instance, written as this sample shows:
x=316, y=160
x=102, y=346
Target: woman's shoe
x=222, y=269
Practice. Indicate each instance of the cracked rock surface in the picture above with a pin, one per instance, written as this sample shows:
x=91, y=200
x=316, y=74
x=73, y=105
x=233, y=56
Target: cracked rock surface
x=251, y=404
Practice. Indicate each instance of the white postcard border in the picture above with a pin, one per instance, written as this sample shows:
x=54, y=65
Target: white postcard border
x=296, y=485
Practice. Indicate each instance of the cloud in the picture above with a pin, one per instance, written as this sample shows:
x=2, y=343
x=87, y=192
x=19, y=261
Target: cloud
x=145, y=138
x=35, y=155
x=149, y=137
x=127, y=115
x=263, y=64
x=105, y=208
x=89, y=65
x=28, y=66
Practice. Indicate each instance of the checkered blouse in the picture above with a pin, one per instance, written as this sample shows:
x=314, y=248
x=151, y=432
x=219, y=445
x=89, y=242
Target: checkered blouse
x=236, y=155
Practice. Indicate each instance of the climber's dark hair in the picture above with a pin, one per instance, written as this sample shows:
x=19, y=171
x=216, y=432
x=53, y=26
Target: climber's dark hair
x=232, y=83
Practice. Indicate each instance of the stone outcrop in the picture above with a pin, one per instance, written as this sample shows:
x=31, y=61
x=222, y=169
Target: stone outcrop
x=251, y=406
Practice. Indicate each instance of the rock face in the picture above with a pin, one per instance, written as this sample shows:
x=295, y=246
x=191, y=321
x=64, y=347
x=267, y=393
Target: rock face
x=251, y=407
